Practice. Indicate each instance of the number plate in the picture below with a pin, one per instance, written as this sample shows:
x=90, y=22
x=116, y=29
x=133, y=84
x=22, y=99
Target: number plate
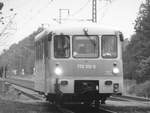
x=86, y=66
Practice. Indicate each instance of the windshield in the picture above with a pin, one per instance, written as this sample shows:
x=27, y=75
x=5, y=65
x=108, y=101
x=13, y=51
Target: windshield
x=109, y=46
x=61, y=46
x=85, y=46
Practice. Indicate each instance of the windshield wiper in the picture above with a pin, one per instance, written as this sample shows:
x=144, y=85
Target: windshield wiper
x=92, y=41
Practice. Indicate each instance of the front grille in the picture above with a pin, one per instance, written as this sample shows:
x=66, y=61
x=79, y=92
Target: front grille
x=86, y=86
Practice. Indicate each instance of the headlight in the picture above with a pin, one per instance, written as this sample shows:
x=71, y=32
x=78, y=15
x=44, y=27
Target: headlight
x=115, y=70
x=58, y=71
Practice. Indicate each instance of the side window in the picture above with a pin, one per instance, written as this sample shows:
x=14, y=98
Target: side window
x=109, y=46
x=39, y=47
x=61, y=46
x=46, y=47
x=36, y=50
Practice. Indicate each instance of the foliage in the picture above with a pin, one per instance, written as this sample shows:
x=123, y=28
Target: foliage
x=137, y=54
x=142, y=90
x=1, y=5
x=20, y=57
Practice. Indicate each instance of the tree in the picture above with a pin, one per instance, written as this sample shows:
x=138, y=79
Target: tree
x=143, y=70
x=143, y=20
x=137, y=53
x=20, y=56
x=1, y=5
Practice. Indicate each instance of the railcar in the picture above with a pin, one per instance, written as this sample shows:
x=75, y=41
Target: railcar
x=79, y=63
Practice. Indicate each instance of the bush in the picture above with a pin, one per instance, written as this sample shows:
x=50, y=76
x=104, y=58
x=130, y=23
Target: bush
x=142, y=90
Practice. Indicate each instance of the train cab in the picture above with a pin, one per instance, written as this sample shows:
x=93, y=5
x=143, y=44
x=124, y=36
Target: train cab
x=79, y=63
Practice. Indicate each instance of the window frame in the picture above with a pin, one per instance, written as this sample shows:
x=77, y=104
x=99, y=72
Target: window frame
x=73, y=36
x=54, y=47
x=116, y=47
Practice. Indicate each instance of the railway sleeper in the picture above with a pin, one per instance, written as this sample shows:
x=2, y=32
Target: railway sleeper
x=86, y=98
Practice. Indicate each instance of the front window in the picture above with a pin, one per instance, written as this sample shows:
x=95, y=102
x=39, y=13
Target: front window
x=109, y=46
x=85, y=46
x=61, y=46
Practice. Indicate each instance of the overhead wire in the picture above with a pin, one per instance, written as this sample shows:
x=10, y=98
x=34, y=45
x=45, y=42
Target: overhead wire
x=3, y=32
x=45, y=6
x=107, y=9
x=79, y=10
x=37, y=13
x=8, y=25
x=5, y=40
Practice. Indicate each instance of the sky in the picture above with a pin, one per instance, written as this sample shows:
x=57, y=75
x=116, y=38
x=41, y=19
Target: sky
x=28, y=15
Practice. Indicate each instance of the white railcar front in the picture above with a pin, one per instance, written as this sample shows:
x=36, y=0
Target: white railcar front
x=79, y=63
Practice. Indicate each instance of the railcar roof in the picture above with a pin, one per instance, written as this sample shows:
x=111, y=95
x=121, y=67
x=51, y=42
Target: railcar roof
x=78, y=29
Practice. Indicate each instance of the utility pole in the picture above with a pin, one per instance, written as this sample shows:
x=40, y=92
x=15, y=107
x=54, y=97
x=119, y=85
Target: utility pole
x=94, y=11
x=60, y=14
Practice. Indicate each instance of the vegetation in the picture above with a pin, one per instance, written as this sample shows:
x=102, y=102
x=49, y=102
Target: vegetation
x=19, y=59
x=137, y=54
x=142, y=89
x=1, y=5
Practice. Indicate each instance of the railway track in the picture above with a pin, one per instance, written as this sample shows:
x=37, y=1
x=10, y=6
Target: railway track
x=75, y=108
x=68, y=108
x=28, y=84
x=29, y=93
x=81, y=108
x=130, y=98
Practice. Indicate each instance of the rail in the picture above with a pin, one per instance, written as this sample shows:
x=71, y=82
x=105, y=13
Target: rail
x=81, y=108
x=132, y=98
x=28, y=93
x=15, y=82
x=21, y=88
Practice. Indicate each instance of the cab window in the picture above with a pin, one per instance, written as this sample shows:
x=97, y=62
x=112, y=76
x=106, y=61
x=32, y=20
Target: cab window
x=61, y=46
x=109, y=46
x=85, y=46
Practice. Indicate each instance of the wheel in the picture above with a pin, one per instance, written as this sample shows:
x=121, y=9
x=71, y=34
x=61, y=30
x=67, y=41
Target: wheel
x=97, y=103
x=103, y=100
x=59, y=100
x=87, y=102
